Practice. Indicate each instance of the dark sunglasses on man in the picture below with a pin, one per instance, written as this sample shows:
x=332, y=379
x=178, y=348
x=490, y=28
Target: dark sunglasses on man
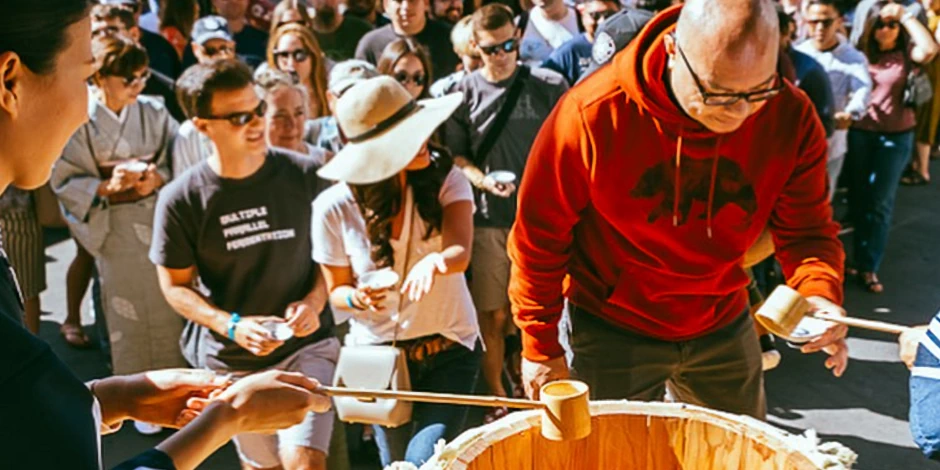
x=826, y=23
x=107, y=31
x=243, y=118
x=508, y=47
x=214, y=51
x=402, y=77
x=599, y=16
x=299, y=55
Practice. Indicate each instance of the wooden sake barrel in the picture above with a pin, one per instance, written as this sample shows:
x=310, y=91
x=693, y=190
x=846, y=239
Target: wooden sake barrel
x=634, y=436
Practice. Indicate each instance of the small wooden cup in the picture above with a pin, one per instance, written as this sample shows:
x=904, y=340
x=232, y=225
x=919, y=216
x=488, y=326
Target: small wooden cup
x=567, y=413
x=782, y=311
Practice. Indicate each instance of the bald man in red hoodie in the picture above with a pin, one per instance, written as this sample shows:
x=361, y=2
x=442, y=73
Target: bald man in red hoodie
x=643, y=191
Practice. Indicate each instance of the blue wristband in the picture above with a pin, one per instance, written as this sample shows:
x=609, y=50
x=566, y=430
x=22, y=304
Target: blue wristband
x=231, y=325
x=349, y=301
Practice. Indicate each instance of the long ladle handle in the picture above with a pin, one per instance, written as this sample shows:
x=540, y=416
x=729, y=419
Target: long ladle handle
x=428, y=397
x=860, y=323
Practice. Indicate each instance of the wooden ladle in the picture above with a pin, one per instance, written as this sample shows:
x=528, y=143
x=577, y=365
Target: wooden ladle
x=565, y=405
x=785, y=308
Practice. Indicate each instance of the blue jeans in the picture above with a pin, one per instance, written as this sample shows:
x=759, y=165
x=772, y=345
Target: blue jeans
x=875, y=163
x=454, y=370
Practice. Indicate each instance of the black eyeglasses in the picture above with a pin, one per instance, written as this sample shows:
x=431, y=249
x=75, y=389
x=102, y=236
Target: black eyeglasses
x=402, y=77
x=826, y=23
x=887, y=24
x=214, y=51
x=243, y=118
x=507, y=47
x=106, y=31
x=299, y=55
x=134, y=80
x=727, y=99
x=599, y=16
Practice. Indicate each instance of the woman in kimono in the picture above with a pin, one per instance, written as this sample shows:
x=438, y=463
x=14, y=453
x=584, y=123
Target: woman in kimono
x=107, y=181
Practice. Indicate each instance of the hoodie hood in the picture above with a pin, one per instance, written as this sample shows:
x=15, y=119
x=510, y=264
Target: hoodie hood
x=644, y=64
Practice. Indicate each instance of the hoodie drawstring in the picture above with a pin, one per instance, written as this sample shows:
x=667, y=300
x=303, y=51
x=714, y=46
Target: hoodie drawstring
x=676, y=190
x=711, y=188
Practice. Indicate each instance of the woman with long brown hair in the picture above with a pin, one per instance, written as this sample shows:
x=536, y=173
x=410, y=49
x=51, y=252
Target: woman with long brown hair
x=293, y=49
x=401, y=205
x=409, y=64
x=880, y=144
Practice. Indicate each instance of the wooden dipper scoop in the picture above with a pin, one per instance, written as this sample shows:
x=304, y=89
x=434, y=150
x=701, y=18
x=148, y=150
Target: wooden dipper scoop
x=785, y=308
x=567, y=413
x=565, y=406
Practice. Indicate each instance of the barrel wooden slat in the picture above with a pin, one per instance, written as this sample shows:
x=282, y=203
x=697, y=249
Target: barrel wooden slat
x=632, y=436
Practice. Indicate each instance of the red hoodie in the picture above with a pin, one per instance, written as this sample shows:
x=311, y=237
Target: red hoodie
x=603, y=222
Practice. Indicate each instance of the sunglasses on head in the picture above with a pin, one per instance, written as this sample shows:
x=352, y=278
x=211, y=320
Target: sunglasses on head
x=599, y=16
x=507, y=47
x=402, y=77
x=214, y=51
x=299, y=55
x=243, y=118
x=887, y=24
x=134, y=79
x=825, y=23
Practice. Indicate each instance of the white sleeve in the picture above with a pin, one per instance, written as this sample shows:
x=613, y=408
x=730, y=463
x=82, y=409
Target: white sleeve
x=327, y=232
x=456, y=188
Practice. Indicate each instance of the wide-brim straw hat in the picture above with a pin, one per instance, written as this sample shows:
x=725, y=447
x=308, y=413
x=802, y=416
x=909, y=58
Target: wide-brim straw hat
x=385, y=128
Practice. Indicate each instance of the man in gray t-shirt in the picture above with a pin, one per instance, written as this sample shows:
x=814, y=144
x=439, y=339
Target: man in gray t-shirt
x=485, y=92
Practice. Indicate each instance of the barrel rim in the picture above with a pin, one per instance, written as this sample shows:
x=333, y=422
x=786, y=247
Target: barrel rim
x=465, y=448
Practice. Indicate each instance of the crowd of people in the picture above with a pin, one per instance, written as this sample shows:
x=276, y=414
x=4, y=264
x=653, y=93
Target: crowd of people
x=558, y=188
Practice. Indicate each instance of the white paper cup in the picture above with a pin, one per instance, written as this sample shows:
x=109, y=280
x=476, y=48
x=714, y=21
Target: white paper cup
x=379, y=280
x=134, y=166
x=280, y=331
x=503, y=177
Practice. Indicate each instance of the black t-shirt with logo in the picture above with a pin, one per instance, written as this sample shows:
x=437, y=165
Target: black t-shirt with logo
x=249, y=240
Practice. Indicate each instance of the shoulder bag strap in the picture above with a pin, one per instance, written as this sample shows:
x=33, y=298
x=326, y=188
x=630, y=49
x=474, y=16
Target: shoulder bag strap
x=501, y=118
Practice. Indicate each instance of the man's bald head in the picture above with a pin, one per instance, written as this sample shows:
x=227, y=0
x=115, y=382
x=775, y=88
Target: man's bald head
x=728, y=27
x=731, y=46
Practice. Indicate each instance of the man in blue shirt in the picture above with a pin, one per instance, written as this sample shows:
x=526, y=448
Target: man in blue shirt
x=573, y=58
x=920, y=351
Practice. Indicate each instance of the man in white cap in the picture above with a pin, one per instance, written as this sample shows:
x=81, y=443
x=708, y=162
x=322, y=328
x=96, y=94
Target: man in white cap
x=237, y=222
x=212, y=39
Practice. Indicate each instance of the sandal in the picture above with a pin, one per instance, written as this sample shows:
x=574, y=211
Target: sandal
x=915, y=179
x=870, y=281
x=850, y=272
x=75, y=336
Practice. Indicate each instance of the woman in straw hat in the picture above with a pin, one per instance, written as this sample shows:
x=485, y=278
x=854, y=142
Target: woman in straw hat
x=401, y=205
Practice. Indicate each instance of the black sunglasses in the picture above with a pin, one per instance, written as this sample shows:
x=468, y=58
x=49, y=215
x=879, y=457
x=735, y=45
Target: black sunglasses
x=299, y=55
x=727, y=99
x=825, y=23
x=599, y=16
x=106, y=31
x=887, y=24
x=133, y=79
x=402, y=77
x=243, y=118
x=507, y=47
x=214, y=51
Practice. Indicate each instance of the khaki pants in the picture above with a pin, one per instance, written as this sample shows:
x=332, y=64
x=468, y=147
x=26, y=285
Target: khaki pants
x=721, y=370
